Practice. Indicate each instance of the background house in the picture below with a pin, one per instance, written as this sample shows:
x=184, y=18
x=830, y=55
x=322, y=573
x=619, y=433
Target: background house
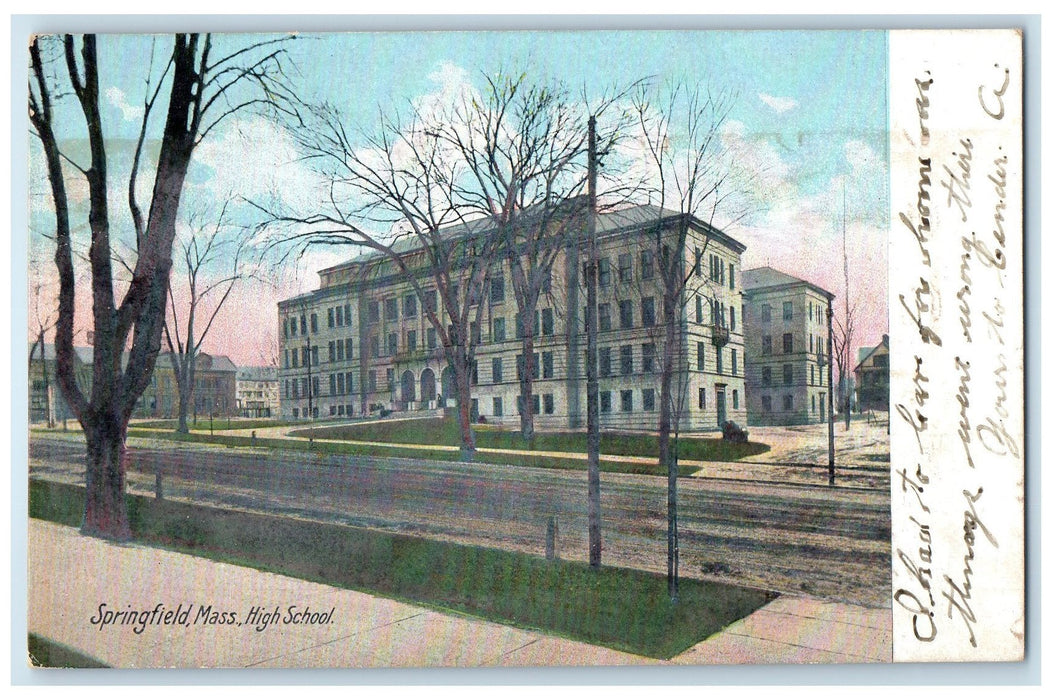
x=872, y=377
x=257, y=392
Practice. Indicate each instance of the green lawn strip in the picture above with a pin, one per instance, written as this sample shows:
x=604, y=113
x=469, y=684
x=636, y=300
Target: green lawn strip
x=46, y=653
x=223, y=423
x=617, y=608
x=350, y=448
x=444, y=431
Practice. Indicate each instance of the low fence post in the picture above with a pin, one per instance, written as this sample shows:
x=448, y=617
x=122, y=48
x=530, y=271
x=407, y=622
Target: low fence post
x=551, y=548
x=158, y=486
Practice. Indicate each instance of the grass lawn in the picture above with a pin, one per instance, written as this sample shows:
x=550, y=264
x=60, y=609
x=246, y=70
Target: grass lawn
x=46, y=653
x=223, y=423
x=444, y=431
x=350, y=448
x=618, y=608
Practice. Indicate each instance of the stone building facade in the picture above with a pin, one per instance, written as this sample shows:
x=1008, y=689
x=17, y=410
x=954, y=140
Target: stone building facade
x=257, y=392
x=787, y=345
x=361, y=343
x=872, y=377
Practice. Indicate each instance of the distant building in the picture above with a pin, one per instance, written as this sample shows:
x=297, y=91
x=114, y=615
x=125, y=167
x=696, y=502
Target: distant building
x=215, y=389
x=786, y=348
x=44, y=392
x=872, y=376
x=257, y=392
x=362, y=342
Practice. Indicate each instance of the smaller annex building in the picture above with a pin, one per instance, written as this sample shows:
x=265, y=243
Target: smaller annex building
x=787, y=368
x=872, y=377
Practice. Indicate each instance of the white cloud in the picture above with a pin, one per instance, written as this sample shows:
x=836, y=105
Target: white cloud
x=778, y=104
x=117, y=98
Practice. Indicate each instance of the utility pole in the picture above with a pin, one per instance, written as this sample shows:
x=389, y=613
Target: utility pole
x=829, y=357
x=591, y=317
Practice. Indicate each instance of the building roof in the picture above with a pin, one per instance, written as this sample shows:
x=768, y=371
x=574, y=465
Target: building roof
x=84, y=354
x=869, y=352
x=257, y=374
x=769, y=278
x=608, y=222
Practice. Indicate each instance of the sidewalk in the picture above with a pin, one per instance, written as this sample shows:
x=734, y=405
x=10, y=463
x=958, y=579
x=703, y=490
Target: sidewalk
x=366, y=631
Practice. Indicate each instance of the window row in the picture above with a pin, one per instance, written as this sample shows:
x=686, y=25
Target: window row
x=703, y=398
x=717, y=353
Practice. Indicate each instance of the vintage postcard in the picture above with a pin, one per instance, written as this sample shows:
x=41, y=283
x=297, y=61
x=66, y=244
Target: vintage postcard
x=525, y=348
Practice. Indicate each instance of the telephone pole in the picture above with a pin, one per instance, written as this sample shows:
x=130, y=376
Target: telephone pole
x=591, y=317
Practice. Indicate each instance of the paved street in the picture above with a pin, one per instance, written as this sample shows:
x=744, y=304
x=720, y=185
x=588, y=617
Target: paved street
x=791, y=538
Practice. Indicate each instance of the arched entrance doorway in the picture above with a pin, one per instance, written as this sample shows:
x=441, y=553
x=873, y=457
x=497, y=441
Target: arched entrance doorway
x=427, y=385
x=408, y=388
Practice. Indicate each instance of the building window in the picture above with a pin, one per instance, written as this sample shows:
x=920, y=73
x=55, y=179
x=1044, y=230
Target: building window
x=787, y=374
x=547, y=322
x=392, y=343
x=701, y=397
x=604, y=402
x=624, y=267
x=390, y=379
x=314, y=323
x=332, y=351
x=734, y=322
x=719, y=360
x=648, y=312
x=349, y=355
x=391, y=309
x=699, y=316
x=604, y=362
x=498, y=370
x=626, y=359
x=332, y=385
x=548, y=365
x=330, y=318
x=474, y=373
x=339, y=384
x=701, y=356
x=432, y=338
x=767, y=376
x=498, y=406
x=520, y=366
x=734, y=362
x=813, y=409
x=626, y=401
x=648, y=399
x=787, y=311
x=604, y=272
x=787, y=343
x=285, y=327
x=734, y=398
x=766, y=349
x=549, y=404
x=431, y=300
x=626, y=313
x=336, y=345
x=646, y=264
x=339, y=316
x=409, y=306
x=812, y=375
x=350, y=383
x=732, y=287
x=374, y=346
x=347, y=321
x=410, y=341
x=787, y=402
x=374, y=311
x=765, y=401
x=496, y=288
x=765, y=313
x=648, y=357
x=372, y=380
x=604, y=317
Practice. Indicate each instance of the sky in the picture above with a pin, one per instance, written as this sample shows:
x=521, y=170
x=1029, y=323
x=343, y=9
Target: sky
x=808, y=119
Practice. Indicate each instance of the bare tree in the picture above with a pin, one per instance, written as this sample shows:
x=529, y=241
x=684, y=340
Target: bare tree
x=687, y=171
x=201, y=90
x=403, y=176
x=524, y=148
x=205, y=247
x=843, y=332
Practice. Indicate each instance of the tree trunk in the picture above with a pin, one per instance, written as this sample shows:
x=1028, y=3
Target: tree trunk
x=184, y=408
x=462, y=380
x=105, y=510
x=666, y=454
x=526, y=384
